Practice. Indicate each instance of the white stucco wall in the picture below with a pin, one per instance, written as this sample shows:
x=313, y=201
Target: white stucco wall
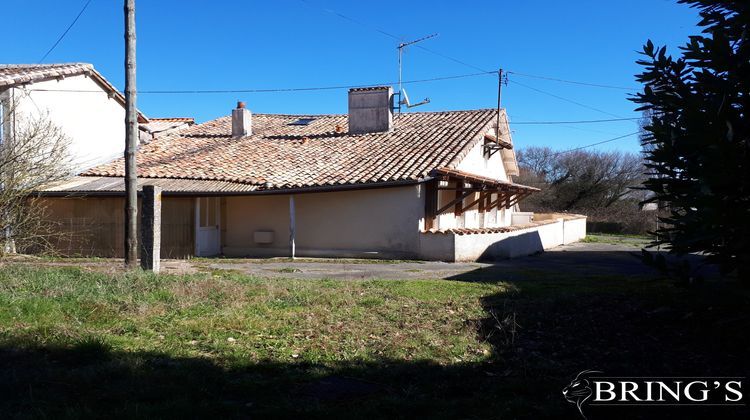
x=472, y=247
x=381, y=222
x=94, y=122
x=475, y=163
x=574, y=230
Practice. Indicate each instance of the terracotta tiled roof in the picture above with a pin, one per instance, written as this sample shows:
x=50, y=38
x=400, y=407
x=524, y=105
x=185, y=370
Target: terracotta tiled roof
x=89, y=185
x=163, y=126
x=479, y=179
x=480, y=231
x=319, y=152
x=175, y=119
x=16, y=74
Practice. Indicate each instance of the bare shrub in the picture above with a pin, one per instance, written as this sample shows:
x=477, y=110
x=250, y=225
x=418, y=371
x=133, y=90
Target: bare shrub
x=33, y=152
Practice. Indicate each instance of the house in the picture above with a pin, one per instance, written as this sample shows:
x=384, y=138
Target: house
x=88, y=109
x=429, y=185
x=76, y=98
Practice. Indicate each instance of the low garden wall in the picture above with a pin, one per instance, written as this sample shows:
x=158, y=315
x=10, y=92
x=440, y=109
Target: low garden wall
x=546, y=231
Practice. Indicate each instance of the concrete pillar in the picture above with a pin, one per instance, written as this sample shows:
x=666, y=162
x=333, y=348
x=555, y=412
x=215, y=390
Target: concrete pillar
x=151, y=228
x=292, y=227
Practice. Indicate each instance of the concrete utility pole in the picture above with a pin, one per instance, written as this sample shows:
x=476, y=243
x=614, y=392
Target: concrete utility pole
x=131, y=137
x=151, y=228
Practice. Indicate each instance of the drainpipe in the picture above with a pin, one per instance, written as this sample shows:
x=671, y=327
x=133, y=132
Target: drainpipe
x=292, y=226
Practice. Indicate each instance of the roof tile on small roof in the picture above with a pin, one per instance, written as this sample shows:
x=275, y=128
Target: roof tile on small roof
x=15, y=74
x=175, y=119
x=166, y=125
x=280, y=154
x=101, y=185
x=479, y=179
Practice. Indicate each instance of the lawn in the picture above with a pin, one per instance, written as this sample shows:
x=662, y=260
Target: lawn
x=79, y=343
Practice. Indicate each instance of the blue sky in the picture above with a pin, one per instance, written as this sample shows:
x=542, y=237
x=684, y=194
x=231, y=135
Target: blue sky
x=249, y=44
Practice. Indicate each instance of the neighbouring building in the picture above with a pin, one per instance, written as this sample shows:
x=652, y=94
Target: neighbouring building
x=425, y=185
x=78, y=100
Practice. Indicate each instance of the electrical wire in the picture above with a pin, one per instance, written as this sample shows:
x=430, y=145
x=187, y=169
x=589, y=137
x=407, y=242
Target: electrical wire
x=350, y=19
x=396, y=37
x=52, y=48
x=564, y=99
x=573, y=122
x=270, y=90
x=572, y=81
x=456, y=60
x=594, y=144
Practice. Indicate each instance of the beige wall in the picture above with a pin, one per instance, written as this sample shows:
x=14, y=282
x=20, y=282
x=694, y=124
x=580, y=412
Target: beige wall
x=373, y=222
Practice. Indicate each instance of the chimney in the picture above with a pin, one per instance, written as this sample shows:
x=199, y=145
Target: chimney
x=242, y=121
x=370, y=109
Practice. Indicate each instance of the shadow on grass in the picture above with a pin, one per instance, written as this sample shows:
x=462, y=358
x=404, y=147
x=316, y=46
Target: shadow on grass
x=553, y=324
x=91, y=380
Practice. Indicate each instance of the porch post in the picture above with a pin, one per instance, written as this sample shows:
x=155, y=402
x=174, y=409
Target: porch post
x=151, y=228
x=292, y=226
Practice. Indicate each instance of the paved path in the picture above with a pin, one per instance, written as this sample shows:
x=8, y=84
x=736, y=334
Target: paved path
x=575, y=259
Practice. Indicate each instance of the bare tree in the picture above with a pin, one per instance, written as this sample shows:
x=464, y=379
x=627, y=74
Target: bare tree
x=33, y=152
x=580, y=179
x=597, y=184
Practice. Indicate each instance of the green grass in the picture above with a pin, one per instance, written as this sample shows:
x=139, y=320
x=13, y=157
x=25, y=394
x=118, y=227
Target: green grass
x=613, y=239
x=79, y=343
x=196, y=315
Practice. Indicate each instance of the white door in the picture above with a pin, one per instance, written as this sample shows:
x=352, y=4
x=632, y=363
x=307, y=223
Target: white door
x=207, y=233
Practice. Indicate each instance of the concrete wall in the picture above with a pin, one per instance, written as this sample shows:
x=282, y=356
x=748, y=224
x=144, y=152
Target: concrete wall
x=380, y=222
x=520, y=242
x=94, y=122
x=574, y=230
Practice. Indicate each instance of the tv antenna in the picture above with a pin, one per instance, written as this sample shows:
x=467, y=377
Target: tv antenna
x=403, y=97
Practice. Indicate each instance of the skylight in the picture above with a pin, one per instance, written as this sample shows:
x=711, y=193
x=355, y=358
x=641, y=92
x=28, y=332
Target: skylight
x=303, y=121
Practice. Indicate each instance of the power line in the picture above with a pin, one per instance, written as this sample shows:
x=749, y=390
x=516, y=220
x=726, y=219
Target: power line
x=350, y=19
x=456, y=60
x=396, y=37
x=572, y=81
x=594, y=144
x=573, y=122
x=83, y=9
x=298, y=89
x=565, y=99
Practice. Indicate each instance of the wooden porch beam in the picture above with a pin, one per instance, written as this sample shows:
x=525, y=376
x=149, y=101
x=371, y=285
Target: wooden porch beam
x=430, y=204
x=459, y=204
x=456, y=202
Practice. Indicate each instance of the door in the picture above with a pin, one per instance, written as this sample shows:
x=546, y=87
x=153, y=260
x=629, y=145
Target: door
x=207, y=232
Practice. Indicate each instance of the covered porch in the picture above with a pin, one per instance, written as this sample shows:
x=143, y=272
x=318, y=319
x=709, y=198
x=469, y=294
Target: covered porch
x=457, y=199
